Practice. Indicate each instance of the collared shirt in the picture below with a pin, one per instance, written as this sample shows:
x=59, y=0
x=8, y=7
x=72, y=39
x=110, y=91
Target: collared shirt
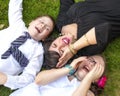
x=32, y=49
x=60, y=87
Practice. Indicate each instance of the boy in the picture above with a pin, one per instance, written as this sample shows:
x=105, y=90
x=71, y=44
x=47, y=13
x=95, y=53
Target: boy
x=17, y=57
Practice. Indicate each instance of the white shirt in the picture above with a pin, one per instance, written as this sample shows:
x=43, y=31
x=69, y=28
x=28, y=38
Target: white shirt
x=32, y=49
x=61, y=87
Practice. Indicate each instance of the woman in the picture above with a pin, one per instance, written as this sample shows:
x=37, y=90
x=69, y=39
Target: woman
x=72, y=80
x=88, y=25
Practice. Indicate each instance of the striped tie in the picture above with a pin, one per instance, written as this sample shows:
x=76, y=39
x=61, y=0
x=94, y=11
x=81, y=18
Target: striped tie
x=16, y=53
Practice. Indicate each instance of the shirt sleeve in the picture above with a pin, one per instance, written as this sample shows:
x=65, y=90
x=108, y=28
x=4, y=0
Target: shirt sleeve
x=62, y=17
x=15, y=13
x=102, y=32
x=29, y=72
x=30, y=90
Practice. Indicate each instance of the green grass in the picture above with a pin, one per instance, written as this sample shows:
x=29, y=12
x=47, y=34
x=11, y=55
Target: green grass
x=34, y=8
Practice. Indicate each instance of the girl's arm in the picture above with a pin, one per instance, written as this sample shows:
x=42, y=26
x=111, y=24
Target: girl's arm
x=47, y=76
x=83, y=87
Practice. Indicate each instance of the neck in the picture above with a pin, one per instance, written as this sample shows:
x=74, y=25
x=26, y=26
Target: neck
x=71, y=77
x=76, y=77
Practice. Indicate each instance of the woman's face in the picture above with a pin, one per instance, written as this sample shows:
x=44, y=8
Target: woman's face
x=60, y=44
x=86, y=66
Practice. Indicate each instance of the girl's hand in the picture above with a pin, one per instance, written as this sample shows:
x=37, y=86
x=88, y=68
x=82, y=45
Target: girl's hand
x=75, y=63
x=96, y=72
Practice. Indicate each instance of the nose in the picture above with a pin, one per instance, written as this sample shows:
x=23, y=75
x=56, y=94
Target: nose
x=91, y=65
x=60, y=49
x=42, y=26
x=60, y=45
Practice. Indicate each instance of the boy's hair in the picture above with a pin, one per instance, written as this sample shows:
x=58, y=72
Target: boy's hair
x=50, y=57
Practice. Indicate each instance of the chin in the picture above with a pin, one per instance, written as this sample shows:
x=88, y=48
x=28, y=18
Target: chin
x=81, y=77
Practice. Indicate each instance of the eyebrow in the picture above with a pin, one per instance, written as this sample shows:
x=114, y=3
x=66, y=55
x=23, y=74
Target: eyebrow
x=92, y=59
x=45, y=23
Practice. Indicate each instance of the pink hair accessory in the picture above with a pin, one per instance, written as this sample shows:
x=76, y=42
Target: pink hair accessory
x=102, y=81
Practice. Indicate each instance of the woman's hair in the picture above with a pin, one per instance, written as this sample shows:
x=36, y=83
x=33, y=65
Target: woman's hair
x=94, y=86
x=50, y=57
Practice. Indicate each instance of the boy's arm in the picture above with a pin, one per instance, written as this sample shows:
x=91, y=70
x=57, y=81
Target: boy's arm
x=15, y=13
x=29, y=72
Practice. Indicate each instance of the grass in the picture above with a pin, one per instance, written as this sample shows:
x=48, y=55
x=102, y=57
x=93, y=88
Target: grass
x=34, y=8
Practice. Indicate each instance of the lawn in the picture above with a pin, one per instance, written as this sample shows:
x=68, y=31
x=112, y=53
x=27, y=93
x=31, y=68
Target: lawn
x=34, y=8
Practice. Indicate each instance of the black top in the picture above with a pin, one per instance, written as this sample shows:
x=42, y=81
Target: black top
x=104, y=15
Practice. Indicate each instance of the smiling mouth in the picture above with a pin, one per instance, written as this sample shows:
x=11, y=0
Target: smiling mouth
x=86, y=68
x=39, y=31
x=66, y=41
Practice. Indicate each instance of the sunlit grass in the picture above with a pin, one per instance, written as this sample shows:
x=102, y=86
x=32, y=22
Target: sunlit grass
x=34, y=8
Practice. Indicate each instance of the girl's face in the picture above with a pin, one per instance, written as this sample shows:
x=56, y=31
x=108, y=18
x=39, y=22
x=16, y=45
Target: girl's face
x=60, y=44
x=40, y=28
x=86, y=66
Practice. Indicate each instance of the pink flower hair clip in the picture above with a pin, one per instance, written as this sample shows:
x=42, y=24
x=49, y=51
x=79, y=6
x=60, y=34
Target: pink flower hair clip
x=102, y=81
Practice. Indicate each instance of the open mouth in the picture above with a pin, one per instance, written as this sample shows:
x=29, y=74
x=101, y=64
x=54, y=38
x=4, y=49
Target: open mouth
x=86, y=68
x=66, y=41
x=39, y=31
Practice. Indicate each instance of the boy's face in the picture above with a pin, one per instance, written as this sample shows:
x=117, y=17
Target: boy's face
x=40, y=28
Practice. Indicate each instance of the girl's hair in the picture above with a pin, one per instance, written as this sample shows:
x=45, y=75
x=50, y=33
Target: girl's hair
x=50, y=57
x=94, y=86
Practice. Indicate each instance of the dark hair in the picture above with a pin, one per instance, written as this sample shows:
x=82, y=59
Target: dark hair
x=50, y=57
x=94, y=88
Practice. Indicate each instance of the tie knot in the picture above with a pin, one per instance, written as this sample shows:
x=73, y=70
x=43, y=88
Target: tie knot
x=20, y=40
x=27, y=35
